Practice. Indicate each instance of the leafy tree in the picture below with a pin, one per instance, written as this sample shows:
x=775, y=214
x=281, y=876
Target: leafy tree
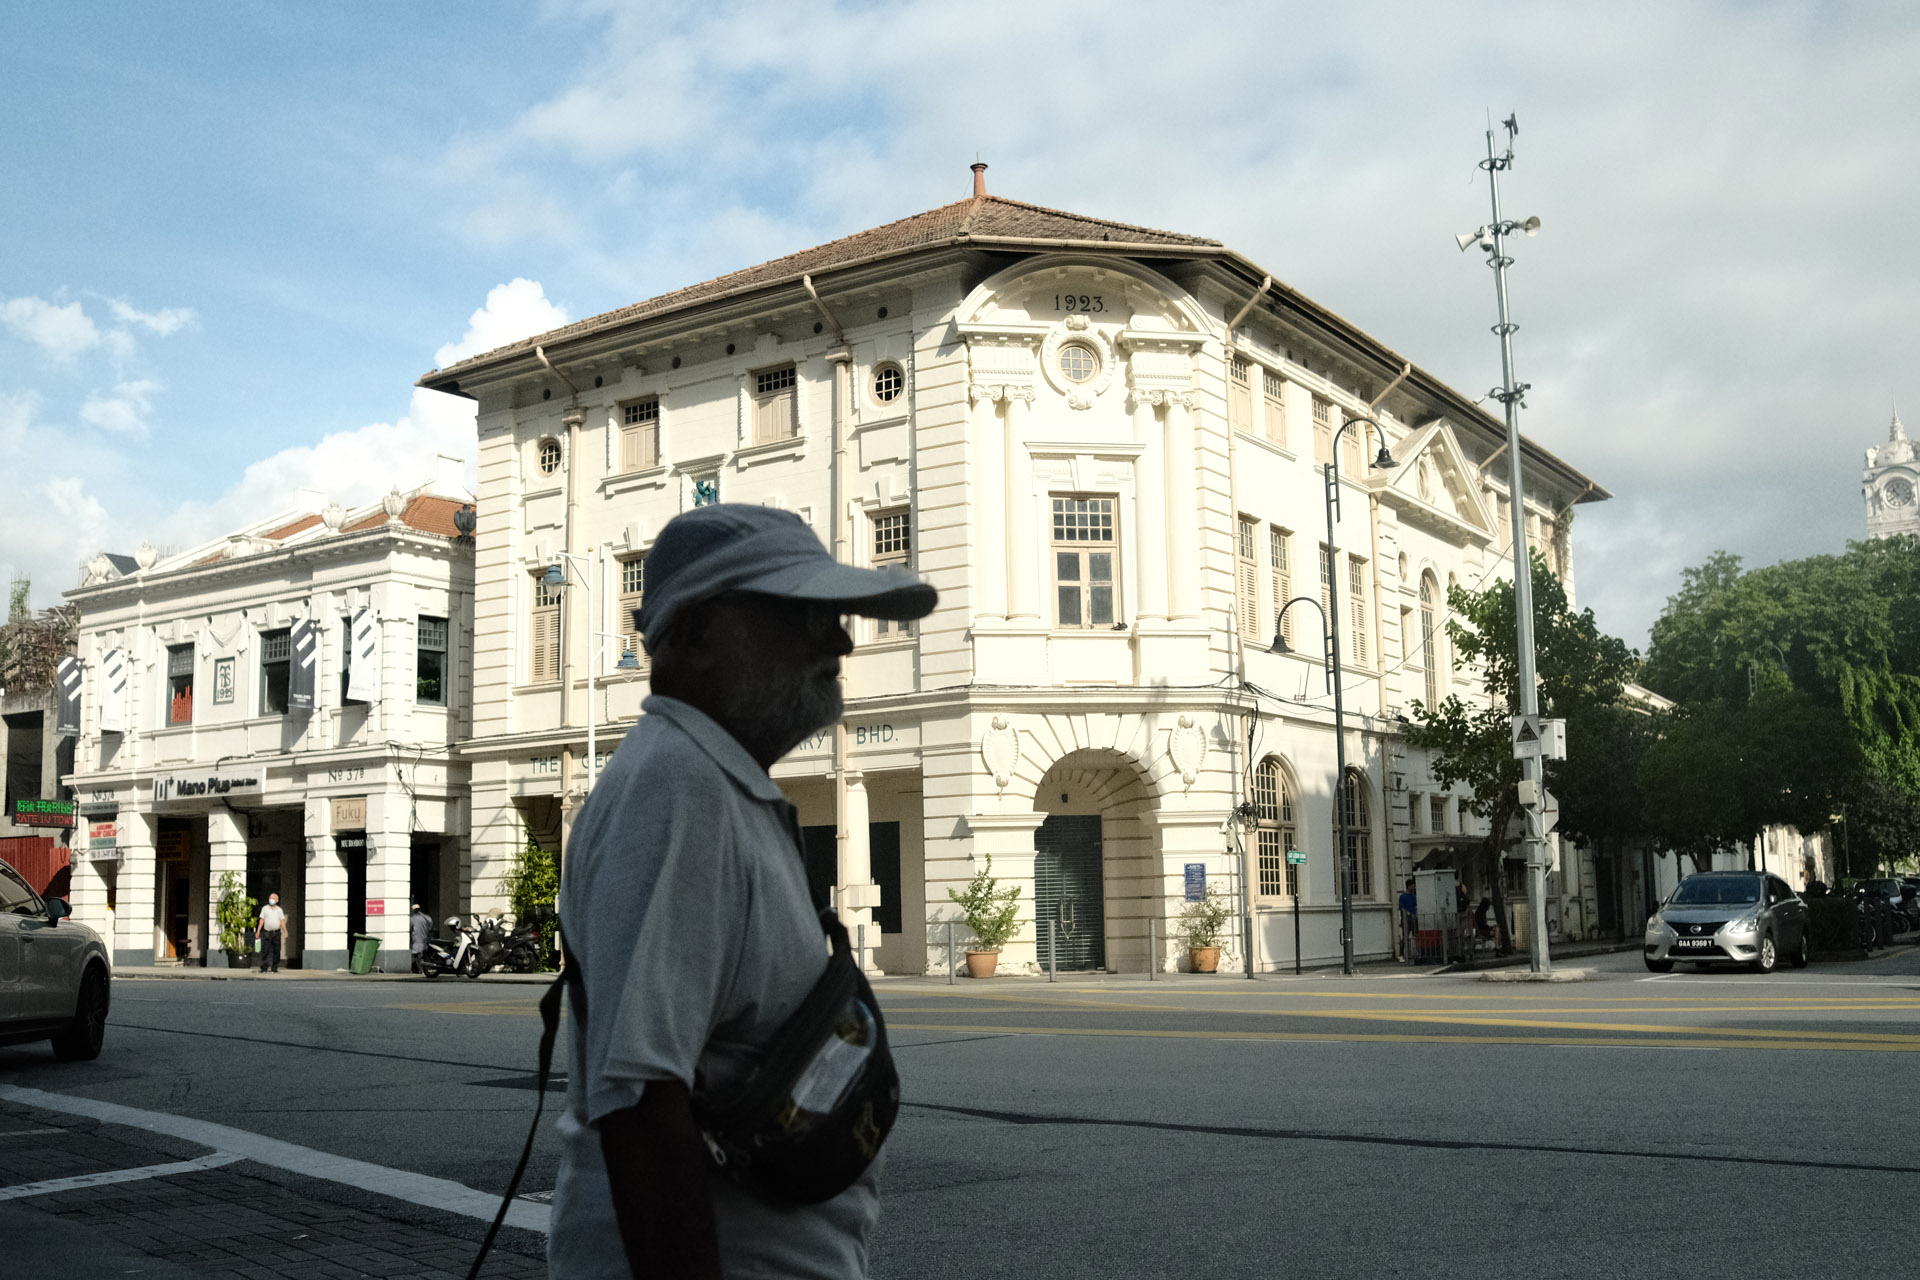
x=1724, y=768
x=31, y=646
x=532, y=883
x=1842, y=630
x=1578, y=669
x=1598, y=785
x=1882, y=825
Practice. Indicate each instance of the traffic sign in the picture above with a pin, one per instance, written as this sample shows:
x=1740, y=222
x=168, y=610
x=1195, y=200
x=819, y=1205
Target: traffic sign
x=1296, y=857
x=1537, y=736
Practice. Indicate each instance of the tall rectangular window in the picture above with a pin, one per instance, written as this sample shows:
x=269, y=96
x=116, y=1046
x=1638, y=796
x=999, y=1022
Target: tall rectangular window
x=543, y=633
x=633, y=579
x=1326, y=583
x=180, y=684
x=1357, y=613
x=1240, y=394
x=1322, y=431
x=892, y=546
x=1276, y=407
x=640, y=435
x=1437, y=814
x=1247, y=578
x=1279, y=547
x=1352, y=458
x=430, y=662
x=1276, y=834
x=276, y=653
x=1085, y=549
x=773, y=404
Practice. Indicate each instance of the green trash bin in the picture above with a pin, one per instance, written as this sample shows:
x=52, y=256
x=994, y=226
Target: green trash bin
x=365, y=949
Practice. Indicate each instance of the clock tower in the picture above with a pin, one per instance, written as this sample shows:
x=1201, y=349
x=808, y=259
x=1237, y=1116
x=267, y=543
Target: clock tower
x=1892, y=485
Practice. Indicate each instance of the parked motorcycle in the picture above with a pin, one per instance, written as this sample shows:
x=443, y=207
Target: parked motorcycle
x=517, y=951
x=458, y=952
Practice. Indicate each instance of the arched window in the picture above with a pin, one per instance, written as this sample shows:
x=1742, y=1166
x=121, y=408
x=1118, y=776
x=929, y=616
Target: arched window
x=1274, y=830
x=1429, y=630
x=1355, y=814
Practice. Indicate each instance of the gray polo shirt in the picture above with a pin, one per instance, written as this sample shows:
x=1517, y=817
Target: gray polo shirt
x=686, y=900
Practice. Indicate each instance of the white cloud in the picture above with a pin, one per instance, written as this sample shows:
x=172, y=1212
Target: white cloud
x=125, y=411
x=62, y=331
x=515, y=310
x=163, y=323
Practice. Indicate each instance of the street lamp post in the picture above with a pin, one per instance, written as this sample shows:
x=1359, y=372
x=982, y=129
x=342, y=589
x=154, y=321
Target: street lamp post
x=1345, y=859
x=1492, y=239
x=556, y=577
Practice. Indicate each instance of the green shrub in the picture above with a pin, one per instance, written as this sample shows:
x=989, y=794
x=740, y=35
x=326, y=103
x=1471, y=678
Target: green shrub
x=532, y=884
x=236, y=912
x=1201, y=923
x=992, y=913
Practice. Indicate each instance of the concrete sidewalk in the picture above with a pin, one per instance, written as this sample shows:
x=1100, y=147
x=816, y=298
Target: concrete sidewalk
x=142, y=973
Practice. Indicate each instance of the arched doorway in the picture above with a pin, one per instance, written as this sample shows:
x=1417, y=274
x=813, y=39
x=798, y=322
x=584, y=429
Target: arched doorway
x=1094, y=870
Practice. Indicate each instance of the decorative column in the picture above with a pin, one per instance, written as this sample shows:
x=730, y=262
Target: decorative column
x=989, y=487
x=1023, y=591
x=135, y=932
x=859, y=895
x=320, y=931
x=226, y=851
x=389, y=877
x=1183, y=509
x=1151, y=486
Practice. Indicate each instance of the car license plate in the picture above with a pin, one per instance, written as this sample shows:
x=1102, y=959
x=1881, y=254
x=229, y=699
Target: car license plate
x=1693, y=942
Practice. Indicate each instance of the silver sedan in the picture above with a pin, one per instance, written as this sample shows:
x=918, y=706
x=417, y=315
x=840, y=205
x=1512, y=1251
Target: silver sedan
x=1729, y=917
x=54, y=973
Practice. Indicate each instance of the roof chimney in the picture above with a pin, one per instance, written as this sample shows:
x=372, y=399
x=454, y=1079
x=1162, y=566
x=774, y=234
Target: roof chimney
x=979, y=179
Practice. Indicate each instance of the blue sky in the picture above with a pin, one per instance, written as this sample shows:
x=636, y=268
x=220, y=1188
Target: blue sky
x=236, y=234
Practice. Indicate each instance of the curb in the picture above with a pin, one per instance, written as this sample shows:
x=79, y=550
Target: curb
x=1528, y=975
x=318, y=975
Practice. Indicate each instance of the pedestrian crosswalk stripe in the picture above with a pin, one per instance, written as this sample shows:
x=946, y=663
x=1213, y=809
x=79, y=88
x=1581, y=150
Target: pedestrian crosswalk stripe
x=80, y=1181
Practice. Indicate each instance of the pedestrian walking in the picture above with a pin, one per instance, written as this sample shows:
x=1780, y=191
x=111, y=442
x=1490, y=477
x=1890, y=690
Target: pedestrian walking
x=686, y=913
x=1409, y=905
x=271, y=930
x=419, y=929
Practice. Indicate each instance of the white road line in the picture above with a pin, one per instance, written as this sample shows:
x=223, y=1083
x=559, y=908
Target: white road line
x=415, y=1188
x=83, y=1180
x=1756, y=980
x=21, y=1133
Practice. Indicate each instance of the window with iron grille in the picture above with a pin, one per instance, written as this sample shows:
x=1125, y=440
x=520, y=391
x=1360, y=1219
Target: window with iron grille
x=276, y=661
x=1275, y=832
x=1280, y=550
x=180, y=684
x=640, y=435
x=1240, y=394
x=430, y=661
x=1357, y=857
x=892, y=545
x=543, y=632
x=1276, y=407
x=888, y=383
x=549, y=456
x=1358, y=615
x=1085, y=550
x=773, y=404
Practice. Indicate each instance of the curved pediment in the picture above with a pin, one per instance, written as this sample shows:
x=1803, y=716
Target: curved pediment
x=1116, y=296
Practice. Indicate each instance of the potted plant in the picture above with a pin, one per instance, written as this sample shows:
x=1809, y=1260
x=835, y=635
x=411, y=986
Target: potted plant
x=236, y=912
x=992, y=914
x=1201, y=924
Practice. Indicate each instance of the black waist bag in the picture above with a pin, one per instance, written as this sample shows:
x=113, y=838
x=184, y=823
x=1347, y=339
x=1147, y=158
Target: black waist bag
x=813, y=1115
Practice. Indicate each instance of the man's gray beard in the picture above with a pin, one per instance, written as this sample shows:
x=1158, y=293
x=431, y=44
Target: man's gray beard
x=772, y=714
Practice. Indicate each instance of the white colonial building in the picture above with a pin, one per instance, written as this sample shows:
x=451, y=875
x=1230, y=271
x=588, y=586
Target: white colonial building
x=1889, y=485
x=1102, y=444
x=282, y=704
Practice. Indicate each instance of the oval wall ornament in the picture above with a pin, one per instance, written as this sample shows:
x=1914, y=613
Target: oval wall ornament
x=1000, y=750
x=1187, y=747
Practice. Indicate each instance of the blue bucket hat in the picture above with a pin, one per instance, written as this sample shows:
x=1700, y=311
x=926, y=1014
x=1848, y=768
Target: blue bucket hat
x=735, y=546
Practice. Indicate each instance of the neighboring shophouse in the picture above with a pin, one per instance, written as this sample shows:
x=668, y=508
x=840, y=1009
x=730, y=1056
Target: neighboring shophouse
x=37, y=818
x=1102, y=444
x=280, y=703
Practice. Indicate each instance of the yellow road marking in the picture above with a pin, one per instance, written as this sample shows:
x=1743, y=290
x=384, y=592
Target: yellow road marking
x=1706, y=1042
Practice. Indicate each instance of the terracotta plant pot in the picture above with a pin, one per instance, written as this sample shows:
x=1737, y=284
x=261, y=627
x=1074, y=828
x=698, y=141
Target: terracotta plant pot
x=981, y=964
x=1204, y=959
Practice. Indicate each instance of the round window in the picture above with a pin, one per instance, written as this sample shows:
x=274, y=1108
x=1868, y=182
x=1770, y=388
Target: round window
x=1078, y=363
x=549, y=457
x=888, y=383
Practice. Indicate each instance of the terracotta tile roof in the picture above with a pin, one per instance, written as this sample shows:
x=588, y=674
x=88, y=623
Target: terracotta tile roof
x=432, y=515
x=373, y=521
x=288, y=530
x=984, y=218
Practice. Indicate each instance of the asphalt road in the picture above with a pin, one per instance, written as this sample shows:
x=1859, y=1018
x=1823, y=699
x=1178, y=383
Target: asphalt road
x=1377, y=1125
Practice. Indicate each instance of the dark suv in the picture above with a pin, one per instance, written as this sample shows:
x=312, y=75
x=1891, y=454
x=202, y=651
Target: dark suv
x=1718, y=917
